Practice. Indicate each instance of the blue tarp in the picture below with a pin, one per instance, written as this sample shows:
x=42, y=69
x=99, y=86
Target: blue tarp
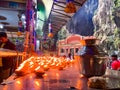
x=81, y=23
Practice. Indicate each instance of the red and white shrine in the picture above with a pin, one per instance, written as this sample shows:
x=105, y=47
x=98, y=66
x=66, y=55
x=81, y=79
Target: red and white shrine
x=69, y=45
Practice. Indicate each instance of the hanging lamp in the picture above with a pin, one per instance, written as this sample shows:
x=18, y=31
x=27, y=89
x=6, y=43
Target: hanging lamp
x=50, y=34
x=20, y=25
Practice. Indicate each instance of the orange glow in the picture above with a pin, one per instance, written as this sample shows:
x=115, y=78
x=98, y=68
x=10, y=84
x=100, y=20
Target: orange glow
x=70, y=8
x=31, y=76
x=19, y=33
x=31, y=63
x=37, y=83
x=6, y=87
x=79, y=84
x=57, y=74
x=37, y=68
x=20, y=67
x=18, y=82
x=81, y=75
x=43, y=63
x=50, y=35
x=45, y=75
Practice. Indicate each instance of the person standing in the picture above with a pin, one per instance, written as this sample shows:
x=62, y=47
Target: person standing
x=115, y=64
x=6, y=63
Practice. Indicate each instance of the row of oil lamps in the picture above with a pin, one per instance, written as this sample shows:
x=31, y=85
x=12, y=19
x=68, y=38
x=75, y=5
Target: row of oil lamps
x=39, y=65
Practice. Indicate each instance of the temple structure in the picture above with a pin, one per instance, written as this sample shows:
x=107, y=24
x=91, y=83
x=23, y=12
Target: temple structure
x=69, y=45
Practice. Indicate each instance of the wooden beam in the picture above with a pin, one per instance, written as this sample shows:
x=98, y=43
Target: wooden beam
x=58, y=9
x=57, y=21
x=60, y=19
x=58, y=5
x=60, y=2
x=60, y=16
x=77, y=3
x=61, y=13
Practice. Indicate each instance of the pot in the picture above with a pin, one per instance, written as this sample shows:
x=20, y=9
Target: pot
x=91, y=58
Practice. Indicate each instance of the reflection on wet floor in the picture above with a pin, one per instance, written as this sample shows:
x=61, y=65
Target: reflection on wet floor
x=67, y=79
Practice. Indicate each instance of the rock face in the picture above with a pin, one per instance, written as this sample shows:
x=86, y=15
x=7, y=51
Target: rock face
x=107, y=25
x=103, y=21
x=81, y=23
x=116, y=18
x=100, y=19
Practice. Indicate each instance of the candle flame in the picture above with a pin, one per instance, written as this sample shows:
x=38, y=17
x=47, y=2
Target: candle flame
x=18, y=82
x=37, y=83
x=37, y=68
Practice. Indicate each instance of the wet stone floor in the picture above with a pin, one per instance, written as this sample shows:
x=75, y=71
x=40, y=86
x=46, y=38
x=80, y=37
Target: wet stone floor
x=66, y=79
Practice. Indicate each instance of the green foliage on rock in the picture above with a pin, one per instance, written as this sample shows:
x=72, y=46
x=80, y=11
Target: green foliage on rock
x=117, y=3
x=117, y=37
x=63, y=33
x=117, y=29
x=109, y=26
